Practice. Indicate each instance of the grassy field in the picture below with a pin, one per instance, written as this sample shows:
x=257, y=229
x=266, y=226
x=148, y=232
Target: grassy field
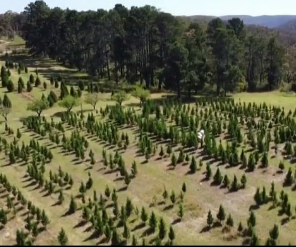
x=146, y=189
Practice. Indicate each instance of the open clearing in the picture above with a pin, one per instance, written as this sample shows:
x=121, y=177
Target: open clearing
x=155, y=174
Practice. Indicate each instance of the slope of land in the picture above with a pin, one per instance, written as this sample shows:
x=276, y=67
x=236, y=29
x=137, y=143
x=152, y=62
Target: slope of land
x=289, y=27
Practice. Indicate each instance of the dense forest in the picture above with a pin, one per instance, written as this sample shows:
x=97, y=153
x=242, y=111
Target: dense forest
x=160, y=50
x=11, y=24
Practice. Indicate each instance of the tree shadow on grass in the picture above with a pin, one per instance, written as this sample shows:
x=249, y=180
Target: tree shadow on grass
x=24, y=214
x=147, y=232
x=215, y=183
x=176, y=221
x=70, y=76
x=205, y=229
x=124, y=188
x=168, y=207
x=43, y=190
x=102, y=168
x=88, y=229
x=7, y=164
x=20, y=209
x=57, y=203
x=2, y=191
x=27, y=179
x=281, y=212
x=110, y=171
x=4, y=196
x=152, y=240
x=78, y=162
x=133, y=220
x=64, y=152
x=118, y=179
x=32, y=183
x=170, y=168
x=104, y=240
x=67, y=213
x=189, y=173
x=246, y=242
x=254, y=207
x=68, y=187
x=285, y=220
x=204, y=180
x=94, y=235
x=36, y=188
x=58, y=114
x=47, y=194
x=110, y=205
x=138, y=227
x=80, y=224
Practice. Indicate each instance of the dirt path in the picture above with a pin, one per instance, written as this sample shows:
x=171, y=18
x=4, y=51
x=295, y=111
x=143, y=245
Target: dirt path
x=7, y=50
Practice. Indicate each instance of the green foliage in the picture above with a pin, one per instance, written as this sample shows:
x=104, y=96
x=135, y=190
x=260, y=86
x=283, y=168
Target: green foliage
x=264, y=160
x=162, y=229
x=171, y=234
x=144, y=215
x=229, y=221
x=254, y=240
x=6, y=101
x=173, y=160
x=153, y=222
x=92, y=99
x=64, y=91
x=141, y=94
x=38, y=106
x=62, y=237
x=29, y=87
x=69, y=102
x=274, y=232
x=10, y=86
x=52, y=98
x=218, y=178
x=281, y=166
x=289, y=179
x=4, y=111
x=210, y=219
x=32, y=79
x=120, y=96
x=221, y=214
x=181, y=211
x=126, y=232
x=72, y=206
x=208, y=172
x=37, y=82
x=252, y=219
x=193, y=165
x=184, y=188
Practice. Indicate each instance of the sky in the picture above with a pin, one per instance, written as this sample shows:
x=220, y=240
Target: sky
x=175, y=7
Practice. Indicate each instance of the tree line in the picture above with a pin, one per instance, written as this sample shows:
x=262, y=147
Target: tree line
x=159, y=50
x=11, y=24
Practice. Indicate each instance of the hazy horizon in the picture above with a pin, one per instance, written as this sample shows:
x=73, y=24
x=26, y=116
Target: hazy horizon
x=175, y=7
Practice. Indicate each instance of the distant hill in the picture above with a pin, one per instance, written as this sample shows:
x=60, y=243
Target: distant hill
x=270, y=21
x=285, y=38
x=289, y=27
x=264, y=25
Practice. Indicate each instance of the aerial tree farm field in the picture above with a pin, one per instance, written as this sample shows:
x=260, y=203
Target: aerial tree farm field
x=100, y=116
x=113, y=168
